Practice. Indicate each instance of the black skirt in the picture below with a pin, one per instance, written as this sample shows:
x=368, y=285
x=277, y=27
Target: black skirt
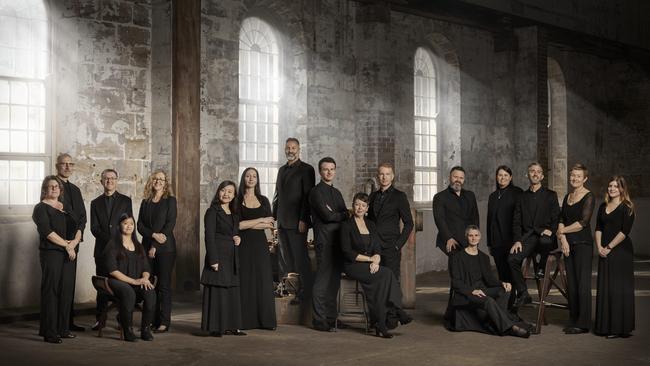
x=221, y=309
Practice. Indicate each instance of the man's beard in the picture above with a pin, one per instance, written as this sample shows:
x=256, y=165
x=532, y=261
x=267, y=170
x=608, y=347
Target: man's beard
x=291, y=157
x=456, y=187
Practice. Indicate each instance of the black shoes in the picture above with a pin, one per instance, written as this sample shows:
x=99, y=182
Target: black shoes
x=95, y=326
x=324, y=328
x=54, y=340
x=76, y=328
x=145, y=334
x=161, y=329
x=522, y=299
x=404, y=318
x=614, y=336
x=382, y=332
x=517, y=331
x=575, y=330
x=68, y=335
x=235, y=332
x=215, y=334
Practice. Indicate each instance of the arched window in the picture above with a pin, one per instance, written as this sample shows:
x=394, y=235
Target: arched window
x=24, y=125
x=425, y=113
x=259, y=96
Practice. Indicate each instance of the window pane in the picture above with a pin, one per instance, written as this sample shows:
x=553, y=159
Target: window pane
x=19, y=92
x=5, y=139
x=18, y=192
x=19, y=141
x=4, y=192
x=4, y=116
x=4, y=90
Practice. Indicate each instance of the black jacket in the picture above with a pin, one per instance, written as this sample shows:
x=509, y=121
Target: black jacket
x=48, y=219
x=158, y=218
x=291, y=199
x=453, y=214
x=113, y=262
x=501, y=209
x=461, y=284
x=352, y=243
x=327, y=221
x=387, y=216
x=529, y=221
x=73, y=202
x=220, y=248
x=105, y=226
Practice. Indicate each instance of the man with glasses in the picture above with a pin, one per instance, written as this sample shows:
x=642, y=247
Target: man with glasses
x=73, y=203
x=105, y=212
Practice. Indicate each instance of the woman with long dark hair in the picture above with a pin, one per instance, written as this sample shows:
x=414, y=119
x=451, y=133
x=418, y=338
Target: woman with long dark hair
x=220, y=278
x=127, y=265
x=256, y=276
x=577, y=244
x=59, y=236
x=501, y=209
x=156, y=222
x=615, y=296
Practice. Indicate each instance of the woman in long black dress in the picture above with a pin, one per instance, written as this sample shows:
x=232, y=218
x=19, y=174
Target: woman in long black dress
x=362, y=248
x=501, y=208
x=576, y=242
x=156, y=222
x=256, y=276
x=59, y=237
x=615, y=296
x=126, y=262
x=220, y=278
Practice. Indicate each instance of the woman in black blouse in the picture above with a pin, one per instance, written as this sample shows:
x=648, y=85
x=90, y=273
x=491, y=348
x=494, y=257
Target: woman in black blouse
x=127, y=265
x=615, y=296
x=59, y=237
x=362, y=248
x=501, y=208
x=256, y=276
x=576, y=242
x=156, y=222
x=220, y=277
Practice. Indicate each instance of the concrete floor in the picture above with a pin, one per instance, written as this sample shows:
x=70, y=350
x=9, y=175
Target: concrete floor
x=423, y=342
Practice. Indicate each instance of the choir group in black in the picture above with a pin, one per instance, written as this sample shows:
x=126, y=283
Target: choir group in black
x=364, y=244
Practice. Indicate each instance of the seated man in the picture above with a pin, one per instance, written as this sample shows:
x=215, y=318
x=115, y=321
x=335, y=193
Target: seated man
x=479, y=301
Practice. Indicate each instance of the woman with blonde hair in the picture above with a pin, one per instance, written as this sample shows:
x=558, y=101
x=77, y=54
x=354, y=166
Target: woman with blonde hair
x=156, y=222
x=615, y=296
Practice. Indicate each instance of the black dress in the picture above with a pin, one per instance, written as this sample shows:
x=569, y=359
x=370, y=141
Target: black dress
x=256, y=277
x=501, y=209
x=221, y=298
x=578, y=263
x=615, y=296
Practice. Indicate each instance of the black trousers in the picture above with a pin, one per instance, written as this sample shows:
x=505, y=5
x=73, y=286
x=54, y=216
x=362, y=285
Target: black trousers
x=491, y=310
x=392, y=258
x=128, y=296
x=381, y=289
x=101, y=300
x=74, y=286
x=578, y=271
x=531, y=245
x=500, y=255
x=326, y=284
x=57, y=285
x=294, y=257
x=163, y=267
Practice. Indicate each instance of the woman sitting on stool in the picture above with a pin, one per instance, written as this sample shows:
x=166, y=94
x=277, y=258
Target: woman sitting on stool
x=479, y=301
x=361, y=249
x=125, y=261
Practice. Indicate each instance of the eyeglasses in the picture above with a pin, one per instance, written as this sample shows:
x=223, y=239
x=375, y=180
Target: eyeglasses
x=66, y=164
x=159, y=179
x=110, y=178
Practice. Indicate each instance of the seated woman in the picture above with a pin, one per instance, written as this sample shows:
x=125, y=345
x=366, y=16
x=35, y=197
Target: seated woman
x=125, y=261
x=479, y=301
x=361, y=248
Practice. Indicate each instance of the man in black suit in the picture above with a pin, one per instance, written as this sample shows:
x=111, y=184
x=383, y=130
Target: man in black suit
x=454, y=209
x=105, y=212
x=328, y=212
x=73, y=203
x=534, y=223
x=291, y=210
x=388, y=206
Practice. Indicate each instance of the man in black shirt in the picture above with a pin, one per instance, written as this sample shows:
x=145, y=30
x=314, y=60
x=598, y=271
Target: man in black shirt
x=534, y=223
x=389, y=206
x=454, y=209
x=105, y=212
x=73, y=203
x=291, y=210
x=328, y=211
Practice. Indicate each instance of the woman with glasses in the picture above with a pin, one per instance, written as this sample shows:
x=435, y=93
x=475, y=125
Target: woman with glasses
x=156, y=222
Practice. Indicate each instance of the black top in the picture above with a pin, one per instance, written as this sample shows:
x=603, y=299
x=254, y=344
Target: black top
x=291, y=200
x=452, y=214
x=501, y=208
x=387, y=209
x=132, y=264
x=48, y=219
x=534, y=213
x=354, y=243
x=248, y=213
x=328, y=211
x=617, y=221
x=469, y=273
x=220, y=247
x=104, y=225
x=73, y=202
x=158, y=217
x=581, y=212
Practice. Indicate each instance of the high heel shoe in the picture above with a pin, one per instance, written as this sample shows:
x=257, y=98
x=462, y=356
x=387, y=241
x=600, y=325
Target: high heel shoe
x=235, y=332
x=161, y=329
x=382, y=332
x=404, y=318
